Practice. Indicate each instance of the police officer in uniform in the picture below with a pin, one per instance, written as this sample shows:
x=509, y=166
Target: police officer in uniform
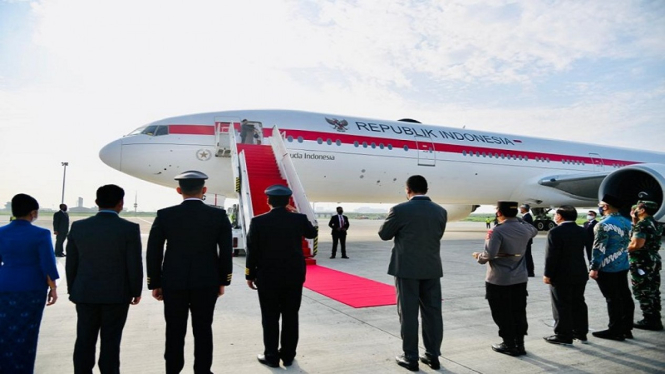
x=276, y=267
x=193, y=271
x=645, y=263
x=506, y=277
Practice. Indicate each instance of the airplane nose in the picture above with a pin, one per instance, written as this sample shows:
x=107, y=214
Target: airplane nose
x=111, y=154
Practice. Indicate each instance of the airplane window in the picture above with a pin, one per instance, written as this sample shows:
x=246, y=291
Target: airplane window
x=548, y=159
x=390, y=147
x=381, y=145
x=503, y=156
x=319, y=140
x=300, y=139
x=463, y=153
x=356, y=144
x=338, y=142
x=406, y=147
x=373, y=145
x=364, y=144
x=289, y=139
x=149, y=130
x=329, y=142
x=162, y=130
x=484, y=155
x=137, y=131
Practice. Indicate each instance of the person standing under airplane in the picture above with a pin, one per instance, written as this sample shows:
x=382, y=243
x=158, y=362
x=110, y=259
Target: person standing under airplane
x=417, y=227
x=506, y=277
x=339, y=223
x=193, y=271
x=275, y=266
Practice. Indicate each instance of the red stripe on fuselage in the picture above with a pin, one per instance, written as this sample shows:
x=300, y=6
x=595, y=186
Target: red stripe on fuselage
x=423, y=145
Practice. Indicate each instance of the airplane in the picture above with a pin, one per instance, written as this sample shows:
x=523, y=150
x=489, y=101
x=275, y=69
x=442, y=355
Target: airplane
x=354, y=159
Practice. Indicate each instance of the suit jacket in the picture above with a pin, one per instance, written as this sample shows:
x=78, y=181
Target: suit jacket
x=334, y=225
x=417, y=226
x=505, y=246
x=564, y=254
x=274, y=248
x=104, y=260
x=26, y=257
x=61, y=222
x=198, y=247
x=588, y=227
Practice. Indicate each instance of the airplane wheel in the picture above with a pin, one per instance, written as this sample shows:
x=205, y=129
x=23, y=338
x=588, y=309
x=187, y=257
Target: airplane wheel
x=550, y=225
x=540, y=225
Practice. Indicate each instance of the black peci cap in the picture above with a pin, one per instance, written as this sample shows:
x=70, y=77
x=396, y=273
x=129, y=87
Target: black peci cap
x=508, y=208
x=613, y=201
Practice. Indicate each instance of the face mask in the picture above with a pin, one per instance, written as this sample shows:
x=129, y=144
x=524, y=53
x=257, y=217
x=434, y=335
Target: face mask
x=590, y=217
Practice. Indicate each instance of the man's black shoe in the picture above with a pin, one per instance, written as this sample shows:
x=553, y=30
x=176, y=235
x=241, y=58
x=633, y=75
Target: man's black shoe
x=409, y=364
x=506, y=350
x=628, y=335
x=344, y=257
x=648, y=325
x=332, y=256
x=431, y=361
x=287, y=362
x=268, y=362
x=60, y=255
x=555, y=339
x=607, y=334
x=581, y=338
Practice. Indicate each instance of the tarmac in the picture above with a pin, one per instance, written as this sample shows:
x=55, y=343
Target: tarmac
x=336, y=338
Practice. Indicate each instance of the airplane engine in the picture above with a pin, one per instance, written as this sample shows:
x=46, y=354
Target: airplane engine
x=458, y=212
x=630, y=181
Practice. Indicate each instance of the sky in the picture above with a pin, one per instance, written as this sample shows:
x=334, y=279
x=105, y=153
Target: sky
x=77, y=74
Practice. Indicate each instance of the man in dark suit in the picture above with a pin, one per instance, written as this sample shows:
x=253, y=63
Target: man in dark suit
x=588, y=227
x=526, y=217
x=60, y=229
x=276, y=267
x=193, y=271
x=104, y=276
x=417, y=227
x=566, y=273
x=339, y=224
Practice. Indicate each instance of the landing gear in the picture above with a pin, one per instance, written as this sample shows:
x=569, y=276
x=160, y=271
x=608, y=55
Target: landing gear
x=542, y=221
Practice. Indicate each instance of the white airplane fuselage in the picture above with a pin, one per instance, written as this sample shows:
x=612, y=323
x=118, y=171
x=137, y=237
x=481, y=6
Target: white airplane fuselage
x=352, y=159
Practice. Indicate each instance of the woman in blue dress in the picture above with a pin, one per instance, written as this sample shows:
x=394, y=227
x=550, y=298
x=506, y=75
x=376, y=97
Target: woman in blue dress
x=27, y=271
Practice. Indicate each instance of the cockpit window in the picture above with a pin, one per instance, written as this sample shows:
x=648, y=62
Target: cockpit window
x=137, y=131
x=151, y=130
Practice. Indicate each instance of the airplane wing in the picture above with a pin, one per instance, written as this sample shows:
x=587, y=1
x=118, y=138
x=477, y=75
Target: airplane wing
x=584, y=185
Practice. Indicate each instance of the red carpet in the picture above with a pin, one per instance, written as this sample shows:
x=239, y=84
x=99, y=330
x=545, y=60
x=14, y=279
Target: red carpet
x=349, y=289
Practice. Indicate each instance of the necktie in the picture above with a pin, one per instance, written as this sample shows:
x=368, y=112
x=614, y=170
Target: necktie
x=341, y=221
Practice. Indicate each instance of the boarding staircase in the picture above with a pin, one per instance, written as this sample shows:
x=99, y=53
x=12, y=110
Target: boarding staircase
x=260, y=164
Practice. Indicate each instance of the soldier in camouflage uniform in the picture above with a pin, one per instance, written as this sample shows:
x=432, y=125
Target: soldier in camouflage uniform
x=645, y=263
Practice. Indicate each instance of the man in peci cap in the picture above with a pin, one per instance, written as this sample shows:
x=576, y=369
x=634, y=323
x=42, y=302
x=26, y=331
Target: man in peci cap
x=506, y=279
x=645, y=263
x=609, y=267
x=191, y=274
x=276, y=268
x=417, y=227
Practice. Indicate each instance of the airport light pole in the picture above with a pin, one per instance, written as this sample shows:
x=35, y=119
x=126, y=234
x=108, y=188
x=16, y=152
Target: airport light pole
x=64, y=175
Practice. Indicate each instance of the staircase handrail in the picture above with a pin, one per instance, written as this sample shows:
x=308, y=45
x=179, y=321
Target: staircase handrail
x=288, y=170
x=239, y=167
x=245, y=195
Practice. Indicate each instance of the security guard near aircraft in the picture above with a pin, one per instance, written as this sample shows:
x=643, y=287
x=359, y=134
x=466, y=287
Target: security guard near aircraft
x=190, y=274
x=276, y=267
x=645, y=263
